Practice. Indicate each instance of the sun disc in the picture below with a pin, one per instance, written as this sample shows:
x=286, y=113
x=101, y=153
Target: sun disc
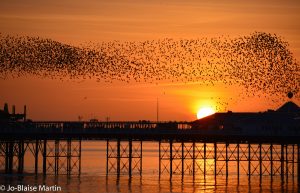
x=204, y=112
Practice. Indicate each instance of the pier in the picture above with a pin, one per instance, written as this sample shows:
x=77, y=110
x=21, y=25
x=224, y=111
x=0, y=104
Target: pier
x=182, y=149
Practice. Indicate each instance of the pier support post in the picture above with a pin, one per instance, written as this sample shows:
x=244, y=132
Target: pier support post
x=171, y=159
x=260, y=164
x=298, y=164
x=18, y=153
x=10, y=157
x=6, y=157
x=204, y=161
x=141, y=158
x=226, y=159
x=56, y=157
x=182, y=159
x=286, y=162
x=130, y=158
x=21, y=156
x=79, y=157
x=238, y=163
x=215, y=157
x=271, y=156
x=159, y=158
x=282, y=163
x=69, y=156
x=293, y=162
x=36, y=156
x=45, y=157
x=118, y=156
x=107, y=156
x=194, y=161
x=249, y=162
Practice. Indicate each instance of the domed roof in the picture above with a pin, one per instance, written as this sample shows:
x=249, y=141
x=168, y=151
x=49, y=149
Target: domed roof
x=289, y=107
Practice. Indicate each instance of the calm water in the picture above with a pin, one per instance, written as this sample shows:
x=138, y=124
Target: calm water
x=93, y=177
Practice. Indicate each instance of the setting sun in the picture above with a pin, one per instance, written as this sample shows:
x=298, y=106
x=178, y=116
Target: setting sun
x=205, y=111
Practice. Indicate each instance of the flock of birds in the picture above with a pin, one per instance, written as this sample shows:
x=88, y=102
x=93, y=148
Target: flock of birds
x=260, y=62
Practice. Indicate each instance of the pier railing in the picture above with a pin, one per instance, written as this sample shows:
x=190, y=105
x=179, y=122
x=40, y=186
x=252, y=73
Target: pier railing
x=77, y=127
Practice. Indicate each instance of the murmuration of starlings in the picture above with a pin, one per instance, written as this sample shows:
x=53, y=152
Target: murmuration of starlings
x=259, y=62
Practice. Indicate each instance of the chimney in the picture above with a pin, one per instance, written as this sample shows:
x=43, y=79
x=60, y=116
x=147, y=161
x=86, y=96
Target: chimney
x=13, y=109
x=24, y=112
x=6, y=108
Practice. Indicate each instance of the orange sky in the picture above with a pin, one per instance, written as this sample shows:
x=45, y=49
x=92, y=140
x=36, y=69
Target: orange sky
x=77, y=22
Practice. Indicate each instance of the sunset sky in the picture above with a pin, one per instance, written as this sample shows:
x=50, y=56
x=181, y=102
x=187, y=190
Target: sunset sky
x=76, y=22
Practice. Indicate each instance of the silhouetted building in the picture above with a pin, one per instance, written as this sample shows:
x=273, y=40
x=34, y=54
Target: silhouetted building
x=5, y=116
x=289, y=107
x=285, y=118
